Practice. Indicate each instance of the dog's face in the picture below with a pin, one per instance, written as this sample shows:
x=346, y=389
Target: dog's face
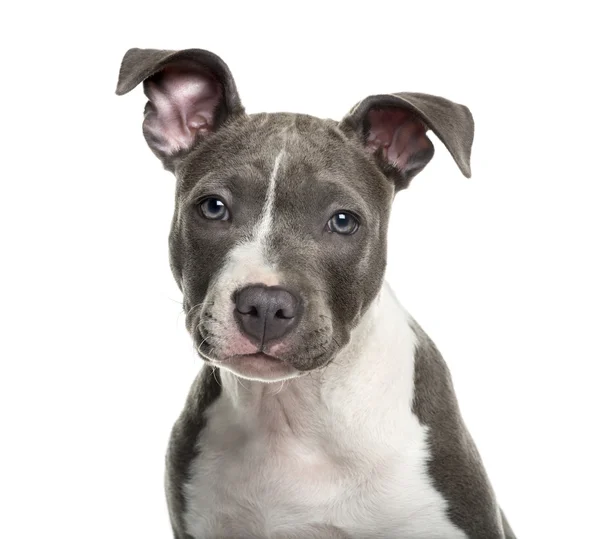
x=278, y=239
x=279, y=201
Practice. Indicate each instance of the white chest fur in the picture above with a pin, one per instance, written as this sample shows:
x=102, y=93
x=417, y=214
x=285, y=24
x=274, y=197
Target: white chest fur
x=330, y=455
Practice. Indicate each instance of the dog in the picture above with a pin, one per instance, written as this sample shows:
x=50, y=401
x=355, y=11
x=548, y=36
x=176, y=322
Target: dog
x=322, y=410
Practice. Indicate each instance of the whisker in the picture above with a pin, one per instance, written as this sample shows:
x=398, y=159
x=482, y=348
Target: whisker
x=214, y=368
x=281, y=387
x=194, y=307
x=239, y=380
x=200, y=332
x=205, y=356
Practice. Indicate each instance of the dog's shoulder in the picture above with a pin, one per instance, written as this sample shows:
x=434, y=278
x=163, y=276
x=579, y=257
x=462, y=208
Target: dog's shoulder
x=183, y=447
x=455, y=465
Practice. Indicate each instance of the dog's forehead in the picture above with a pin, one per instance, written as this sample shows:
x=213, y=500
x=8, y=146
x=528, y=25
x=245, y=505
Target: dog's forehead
x=309, y=150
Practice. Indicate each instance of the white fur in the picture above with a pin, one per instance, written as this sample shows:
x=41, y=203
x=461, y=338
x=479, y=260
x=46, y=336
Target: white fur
x=336, y=453
x=265, y=224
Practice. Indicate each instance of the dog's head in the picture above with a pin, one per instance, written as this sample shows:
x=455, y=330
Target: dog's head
x=278, y=240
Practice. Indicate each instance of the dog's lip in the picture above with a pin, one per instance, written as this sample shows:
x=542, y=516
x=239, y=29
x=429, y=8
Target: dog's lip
x=259, y=356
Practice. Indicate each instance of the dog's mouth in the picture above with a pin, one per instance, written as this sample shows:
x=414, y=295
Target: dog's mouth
x=275, y=361
x=253, y=366
x=261, y=356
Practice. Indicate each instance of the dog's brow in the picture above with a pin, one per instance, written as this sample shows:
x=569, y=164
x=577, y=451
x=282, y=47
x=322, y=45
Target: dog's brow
x=346, y=197
x=217, y=181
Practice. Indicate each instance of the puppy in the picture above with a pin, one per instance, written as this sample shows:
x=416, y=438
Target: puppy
x=322, y=409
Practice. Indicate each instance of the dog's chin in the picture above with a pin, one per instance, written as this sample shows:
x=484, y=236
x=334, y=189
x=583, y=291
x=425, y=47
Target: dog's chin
x=263, y=367
x=259, y=367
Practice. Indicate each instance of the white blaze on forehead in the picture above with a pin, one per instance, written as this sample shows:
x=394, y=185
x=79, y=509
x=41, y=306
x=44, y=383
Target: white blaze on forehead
x=265, y=224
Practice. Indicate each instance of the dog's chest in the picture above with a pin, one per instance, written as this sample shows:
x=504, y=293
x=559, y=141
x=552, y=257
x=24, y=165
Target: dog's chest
x=259, y=481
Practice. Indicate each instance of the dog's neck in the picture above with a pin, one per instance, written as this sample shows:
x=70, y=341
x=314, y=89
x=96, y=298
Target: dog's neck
x=371, y=378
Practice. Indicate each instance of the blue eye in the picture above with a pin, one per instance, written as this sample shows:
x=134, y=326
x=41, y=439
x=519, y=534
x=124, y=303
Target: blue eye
x=214, y=209
x=343, y=223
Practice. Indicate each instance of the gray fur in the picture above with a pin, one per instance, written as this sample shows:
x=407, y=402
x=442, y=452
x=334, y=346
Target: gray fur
x=336, y=278
x=455, y=464
x=182, y=445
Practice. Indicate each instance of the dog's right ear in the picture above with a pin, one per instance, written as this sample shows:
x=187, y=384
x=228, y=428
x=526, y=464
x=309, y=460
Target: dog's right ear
x=191, y=94
x=393, y=127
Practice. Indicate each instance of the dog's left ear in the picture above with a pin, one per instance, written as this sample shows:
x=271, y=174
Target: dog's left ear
x=393, y=127
x=191, y=93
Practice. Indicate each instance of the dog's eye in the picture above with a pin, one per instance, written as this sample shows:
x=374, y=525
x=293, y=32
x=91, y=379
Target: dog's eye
x=214, y=209
x=343, y=223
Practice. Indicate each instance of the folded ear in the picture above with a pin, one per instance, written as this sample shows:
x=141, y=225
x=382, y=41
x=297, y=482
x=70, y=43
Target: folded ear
x=191, y=94
x=393, y=127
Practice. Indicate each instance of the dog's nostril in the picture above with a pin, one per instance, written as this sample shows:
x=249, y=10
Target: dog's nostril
x=285, y=314
x=246, y=307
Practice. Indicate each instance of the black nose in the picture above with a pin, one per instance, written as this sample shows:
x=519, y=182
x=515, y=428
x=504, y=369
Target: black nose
x=266, y=313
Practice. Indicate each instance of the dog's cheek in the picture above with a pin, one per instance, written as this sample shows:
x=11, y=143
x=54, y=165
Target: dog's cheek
x=175, y=253
x=371, y=263
x=350, y=279
x=199, y=255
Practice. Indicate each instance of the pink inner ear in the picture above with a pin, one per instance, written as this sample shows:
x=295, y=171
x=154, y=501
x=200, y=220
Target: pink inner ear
x=398, y=133
x=184, y=107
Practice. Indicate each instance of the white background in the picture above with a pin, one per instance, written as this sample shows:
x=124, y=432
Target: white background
x=501, y=269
